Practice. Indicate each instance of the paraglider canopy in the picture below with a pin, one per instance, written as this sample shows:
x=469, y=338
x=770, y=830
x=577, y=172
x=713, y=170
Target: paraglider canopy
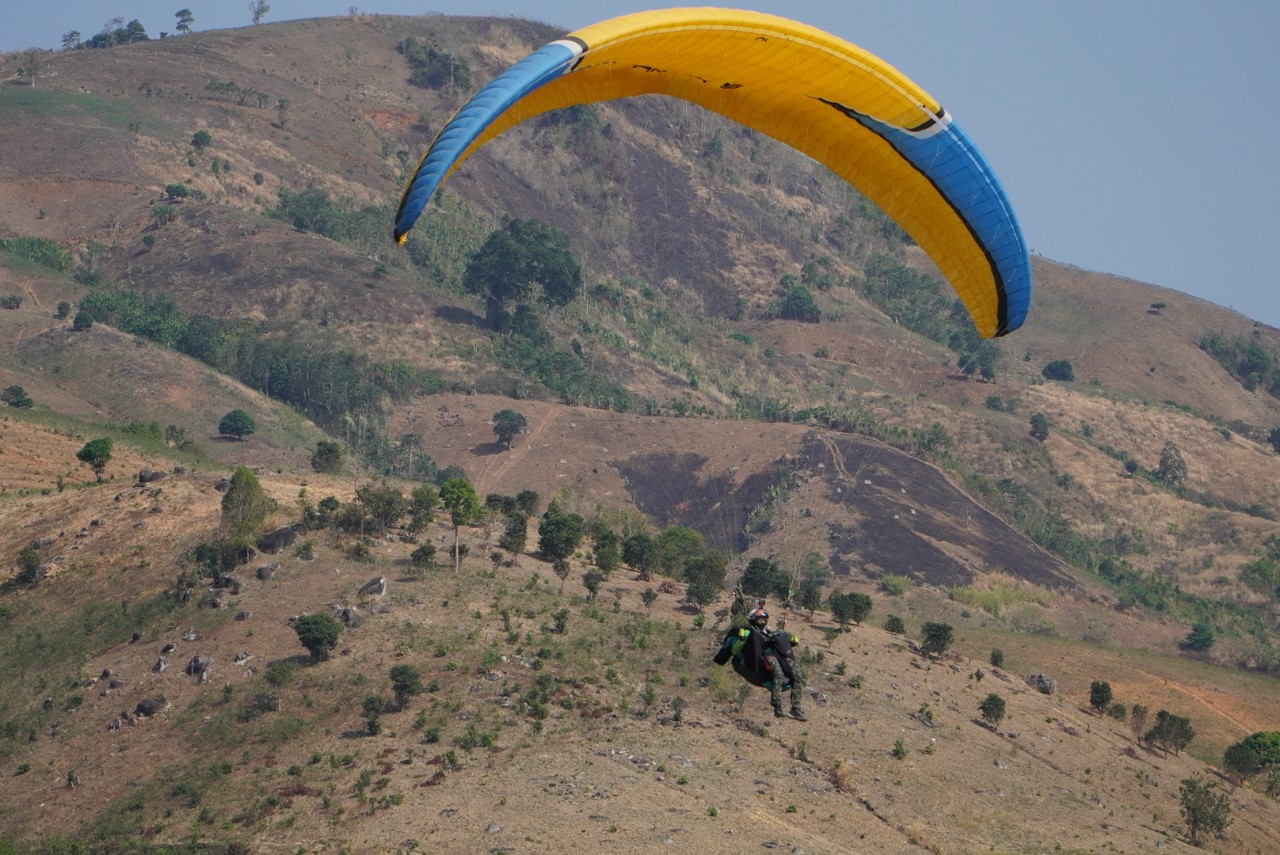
x=842, y=106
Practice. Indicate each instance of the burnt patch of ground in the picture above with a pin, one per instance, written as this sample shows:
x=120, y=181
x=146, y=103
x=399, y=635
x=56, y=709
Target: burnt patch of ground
x=673, y=489
x=905, y=517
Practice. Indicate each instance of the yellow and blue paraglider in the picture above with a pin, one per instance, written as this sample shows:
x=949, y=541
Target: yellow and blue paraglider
x=833, y=101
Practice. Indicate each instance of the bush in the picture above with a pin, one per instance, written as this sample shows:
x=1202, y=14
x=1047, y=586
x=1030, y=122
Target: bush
x=992, y=709
x=327, y=457
x=1200, y=637
x=937, y=637
x=16, y=396
x=997, y=658
x=894, y=624
x=318, y=633
x=424, y=555
x=895, y=585
x=28, y=566
x=1059, y=369
x=83, y=321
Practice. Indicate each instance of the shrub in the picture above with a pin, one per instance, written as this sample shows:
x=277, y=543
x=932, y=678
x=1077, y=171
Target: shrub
x=83, y=321
x=327, y=457
x=992, y=709
x=16, y=396
x=894, y=624
x=318, y=633
x=28, y=566
x=423, y=556
x=937, y=637
x=895, y=585
x=997, y=658
x=1059, y=369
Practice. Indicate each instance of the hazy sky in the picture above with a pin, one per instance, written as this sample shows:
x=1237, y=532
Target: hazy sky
x=1134, y=138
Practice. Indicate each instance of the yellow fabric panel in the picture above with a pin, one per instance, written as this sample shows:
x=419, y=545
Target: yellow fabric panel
x=768, y=73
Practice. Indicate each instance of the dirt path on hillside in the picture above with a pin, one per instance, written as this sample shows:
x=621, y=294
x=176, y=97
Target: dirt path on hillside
x=516, y=453
x=1206, y=698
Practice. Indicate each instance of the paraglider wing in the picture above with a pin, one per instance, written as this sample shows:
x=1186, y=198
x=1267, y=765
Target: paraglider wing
x=823, y=96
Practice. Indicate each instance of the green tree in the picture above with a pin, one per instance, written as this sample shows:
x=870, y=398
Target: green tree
x=96, y=454
x=1039, y=427
x=560, y=533
x=406, y=681
x=1171, y=732
x=1059, y=369
x=29, y=63
x=1099, y=696
x=848, y=607
x=327, y=457
x=28, y=565
x=1203, y=810
x=17, y=397
x=640, y=552
x=1138, y=715
x=82, y=322
x=992, y=709
x=383, y=502
x=937, y=637
x=200, y=139
x=606, y=551
x=237, y=423
x=185, y=19
x=515, y=533
x=1173, y=468
x=1200, y=637
x=799, y=304
x=422, y=505
x=523, y=258
x=809, y=596
x=648, y=596
x=258, y=10
x=1242, y=761
x=1253, y=754
x=762, y=577
x=460, y=500
x=245, y=507
x=318, y=633
x=528, y=501
x=507, y=424
x=704, y=577
x=373, y=708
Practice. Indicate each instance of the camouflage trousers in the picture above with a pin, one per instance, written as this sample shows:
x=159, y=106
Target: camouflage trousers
x=778, y=683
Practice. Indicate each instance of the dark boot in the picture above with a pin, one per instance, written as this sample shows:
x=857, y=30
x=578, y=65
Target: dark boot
x=798, y=714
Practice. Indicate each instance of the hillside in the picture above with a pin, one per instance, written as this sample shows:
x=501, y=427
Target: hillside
x=676, y=397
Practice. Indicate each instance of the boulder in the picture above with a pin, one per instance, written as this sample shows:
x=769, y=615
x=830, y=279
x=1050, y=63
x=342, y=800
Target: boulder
x=375, y=587
x=266, y=571
x=146, y=476
x=278, y=540
x=148, y=707
x=199, y=666
x=1043, y=683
